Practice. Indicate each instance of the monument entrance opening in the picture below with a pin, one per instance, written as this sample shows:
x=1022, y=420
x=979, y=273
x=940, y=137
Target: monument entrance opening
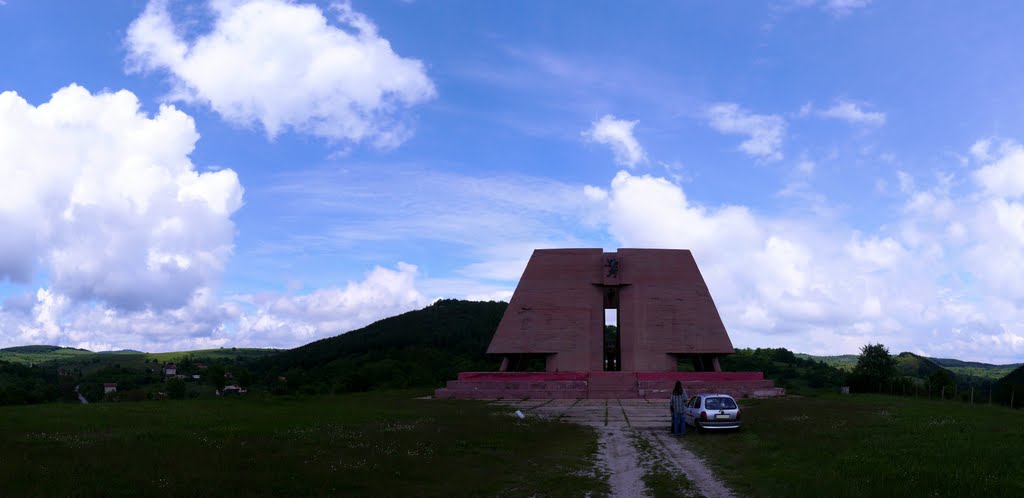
x=612, y=351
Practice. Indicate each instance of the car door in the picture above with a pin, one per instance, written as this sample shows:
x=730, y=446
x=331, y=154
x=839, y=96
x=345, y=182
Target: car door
x=688, y=413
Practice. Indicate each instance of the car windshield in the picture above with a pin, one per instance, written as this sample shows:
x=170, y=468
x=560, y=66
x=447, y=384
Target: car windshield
x=719, y=404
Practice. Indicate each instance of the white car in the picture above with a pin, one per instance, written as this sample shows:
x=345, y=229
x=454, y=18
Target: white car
x=712, y=411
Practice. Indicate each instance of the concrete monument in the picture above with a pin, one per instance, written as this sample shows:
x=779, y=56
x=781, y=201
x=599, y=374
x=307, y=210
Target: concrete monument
x=665, y=315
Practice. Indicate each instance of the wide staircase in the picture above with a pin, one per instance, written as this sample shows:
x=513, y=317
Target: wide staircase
x=604, y=385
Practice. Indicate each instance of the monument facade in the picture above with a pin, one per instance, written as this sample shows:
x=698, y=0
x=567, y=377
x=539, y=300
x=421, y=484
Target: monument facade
x=665, y=317
x=665, y=313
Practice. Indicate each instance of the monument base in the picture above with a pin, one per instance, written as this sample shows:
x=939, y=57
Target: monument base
x=604, y=385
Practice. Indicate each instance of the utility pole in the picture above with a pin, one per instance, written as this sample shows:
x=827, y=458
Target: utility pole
x=942, y=394
x=972, y=395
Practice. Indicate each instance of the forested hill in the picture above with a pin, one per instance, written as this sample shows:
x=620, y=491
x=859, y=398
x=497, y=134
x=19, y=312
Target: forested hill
x=419, y=348
x=1011, y=387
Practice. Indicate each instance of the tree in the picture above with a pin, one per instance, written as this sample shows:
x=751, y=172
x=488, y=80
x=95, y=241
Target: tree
x=875, y=367
x=216, y=375
x=176, y=388
x=244, y=378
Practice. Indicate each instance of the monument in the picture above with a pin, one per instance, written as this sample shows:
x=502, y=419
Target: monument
x=665, y=316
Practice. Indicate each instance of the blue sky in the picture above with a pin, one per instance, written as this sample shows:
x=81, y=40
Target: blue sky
x=268, y=172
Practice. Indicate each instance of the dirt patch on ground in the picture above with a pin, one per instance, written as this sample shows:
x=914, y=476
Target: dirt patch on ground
x=691, y=465
x=620, y=459
x=615, y=422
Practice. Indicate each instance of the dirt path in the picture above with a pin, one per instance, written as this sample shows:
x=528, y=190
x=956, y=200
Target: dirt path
x=691, y=465
x=619, y=457
x=615, y=422
x=80, y=397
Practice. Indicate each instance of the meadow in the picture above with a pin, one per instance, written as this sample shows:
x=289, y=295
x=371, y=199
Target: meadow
x=869, y=445
x=372, y=444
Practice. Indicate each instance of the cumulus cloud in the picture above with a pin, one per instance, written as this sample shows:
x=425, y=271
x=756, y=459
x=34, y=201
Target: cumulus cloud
x=206, y=321
x=1003, y=176
x=848, y=111
x=617, y=134
x=943, y=279
x=286, y=66
x=332, y=311
x=843, y=7
x=765, y=131
x=105, y=200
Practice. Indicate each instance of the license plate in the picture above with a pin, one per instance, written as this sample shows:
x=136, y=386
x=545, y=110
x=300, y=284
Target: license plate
x=722, y=416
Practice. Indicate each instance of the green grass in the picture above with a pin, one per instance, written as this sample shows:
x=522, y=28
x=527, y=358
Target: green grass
x=991, y=373
x=376, y=444
x=870, y=445
x=842, y=362
x=215, y=354
x=68, y=356
x=27, y=357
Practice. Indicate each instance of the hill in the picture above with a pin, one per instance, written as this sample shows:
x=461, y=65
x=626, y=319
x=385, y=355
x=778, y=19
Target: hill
x=792, y=371
x=976, y=369
x=842, y=362
x=420, y=348
x=912, y=365
x=1010, y=389
x=40, y=353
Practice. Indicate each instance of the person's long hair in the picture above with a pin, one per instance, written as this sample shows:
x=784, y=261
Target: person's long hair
x=678, y=389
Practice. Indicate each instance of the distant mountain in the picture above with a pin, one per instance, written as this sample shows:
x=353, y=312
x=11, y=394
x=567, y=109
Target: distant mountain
x=1011, y=387
x=950, y=362
x=119, y=351
x=39, y=349
x=842, y=362
x=912, y=365
x=420, y=348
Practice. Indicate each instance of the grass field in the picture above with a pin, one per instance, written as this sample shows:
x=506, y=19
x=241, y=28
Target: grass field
x=26, y=358
x=379, y=444
x=991, y=373
x=870, y=445
x=68, y=356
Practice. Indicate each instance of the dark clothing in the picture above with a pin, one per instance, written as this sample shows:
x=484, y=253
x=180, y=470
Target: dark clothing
x=678, y=406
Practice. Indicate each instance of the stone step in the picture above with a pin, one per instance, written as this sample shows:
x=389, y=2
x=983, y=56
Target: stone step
x=517, y=385
x=612, y=394
x=446, y=393
x=746, y=384
x=604, y=385
x=612, y=380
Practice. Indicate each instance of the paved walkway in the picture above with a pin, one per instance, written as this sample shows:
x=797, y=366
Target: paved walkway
x=616, y=420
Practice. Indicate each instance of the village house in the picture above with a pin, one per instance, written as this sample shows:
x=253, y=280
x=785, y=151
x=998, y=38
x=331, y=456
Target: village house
x=170, y=369
x=109, y=387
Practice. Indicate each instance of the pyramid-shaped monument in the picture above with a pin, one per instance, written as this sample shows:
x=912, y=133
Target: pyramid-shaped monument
x=665, y=317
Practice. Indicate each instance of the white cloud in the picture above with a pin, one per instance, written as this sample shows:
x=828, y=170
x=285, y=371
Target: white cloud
x=105, y=200
x=843, y=7
x=1005, y=175
x=331, y=311
x=815, y=285
x=208, y=322
x=765, y=132
x=617, y=134
x=284, y=65
x=852, y=113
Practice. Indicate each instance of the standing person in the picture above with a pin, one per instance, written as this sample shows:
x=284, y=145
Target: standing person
x=678, y=405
